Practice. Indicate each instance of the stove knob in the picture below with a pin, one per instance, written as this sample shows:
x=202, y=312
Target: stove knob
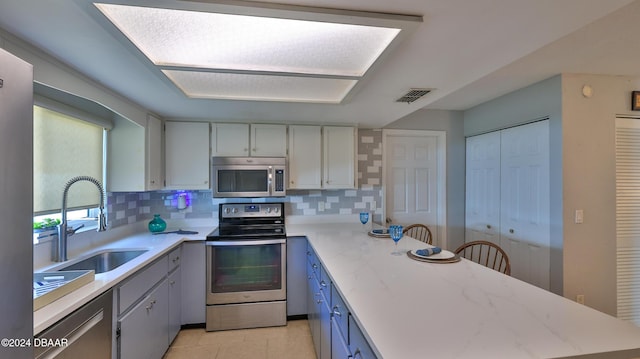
x=268, y=209
x=227, y=210
x=235, y=210
x=276, y=209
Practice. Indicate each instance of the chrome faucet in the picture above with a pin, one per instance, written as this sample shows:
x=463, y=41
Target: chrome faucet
x=60, y=247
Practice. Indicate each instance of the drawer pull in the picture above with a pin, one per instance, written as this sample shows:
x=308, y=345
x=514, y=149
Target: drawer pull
x=336, y=311
x=314, y=266
x=323, y=284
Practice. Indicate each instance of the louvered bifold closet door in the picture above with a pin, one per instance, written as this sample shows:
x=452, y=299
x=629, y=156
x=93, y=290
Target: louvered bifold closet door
x=628, y=218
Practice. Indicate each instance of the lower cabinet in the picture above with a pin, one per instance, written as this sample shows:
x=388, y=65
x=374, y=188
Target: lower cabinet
x=334, y=332
x=194, y=271
x=296, y=276
x=143, y=330
x=175, y=293
x=148, y=308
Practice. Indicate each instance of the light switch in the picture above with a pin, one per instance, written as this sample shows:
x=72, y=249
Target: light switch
x=579, y=216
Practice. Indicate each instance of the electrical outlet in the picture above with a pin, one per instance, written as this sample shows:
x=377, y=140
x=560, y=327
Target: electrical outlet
x=373, y=205
x=580, y=298
x=579, y=216
x=320, y=206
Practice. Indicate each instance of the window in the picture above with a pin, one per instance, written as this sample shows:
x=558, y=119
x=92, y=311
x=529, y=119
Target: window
x=65, y=146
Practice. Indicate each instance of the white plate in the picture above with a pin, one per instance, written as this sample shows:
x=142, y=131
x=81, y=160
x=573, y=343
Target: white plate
x=444, y=255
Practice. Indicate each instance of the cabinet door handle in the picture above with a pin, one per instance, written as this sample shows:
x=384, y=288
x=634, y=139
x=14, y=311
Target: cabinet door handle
x=176, y=259
x=323, y=284
x=336, y=311
x=315, y=266
x=511, y=230
x=172, y=282
x=488, y=226
x=357, y=354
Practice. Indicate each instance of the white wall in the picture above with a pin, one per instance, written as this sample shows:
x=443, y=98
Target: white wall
x=452, y=123
x=589, y=184
x=49, y=71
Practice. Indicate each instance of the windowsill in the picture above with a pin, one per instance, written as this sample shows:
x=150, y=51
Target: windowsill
x=52, y=234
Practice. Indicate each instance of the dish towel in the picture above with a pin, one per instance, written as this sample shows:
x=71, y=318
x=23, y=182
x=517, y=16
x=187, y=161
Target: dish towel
x=428, y=251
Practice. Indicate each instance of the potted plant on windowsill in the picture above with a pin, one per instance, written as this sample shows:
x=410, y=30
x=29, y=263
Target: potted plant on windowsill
x=46, y=224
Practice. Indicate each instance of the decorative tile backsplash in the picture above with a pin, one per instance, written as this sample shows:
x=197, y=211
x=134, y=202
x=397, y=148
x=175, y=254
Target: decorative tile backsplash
x=130, y=207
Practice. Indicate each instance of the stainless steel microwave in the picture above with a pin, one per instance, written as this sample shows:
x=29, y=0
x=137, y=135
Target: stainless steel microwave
x=248, y=176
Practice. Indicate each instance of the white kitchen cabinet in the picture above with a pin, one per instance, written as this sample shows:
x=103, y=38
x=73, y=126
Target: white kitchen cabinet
x=305, y=157
x=193, y=268
x=229, y=139
x=175, y=293
x=339, y=157
x=268, y=140
x=322, y=157
x=296, y=276
x=143, y=330
x=319, y=294
x=187, y=155
x=134, y=156
x=154, y=167
x=507, y=197
x=148, y=308
x=256, y=140
x=175, y=303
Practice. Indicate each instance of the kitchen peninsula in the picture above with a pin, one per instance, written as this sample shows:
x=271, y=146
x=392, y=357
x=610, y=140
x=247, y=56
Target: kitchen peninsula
x=411, y=309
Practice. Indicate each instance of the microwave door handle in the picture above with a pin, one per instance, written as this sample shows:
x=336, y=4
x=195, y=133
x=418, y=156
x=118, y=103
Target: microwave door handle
x=270, y=181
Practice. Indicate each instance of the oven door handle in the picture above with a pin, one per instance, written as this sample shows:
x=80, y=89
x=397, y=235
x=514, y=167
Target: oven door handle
x=245, y=243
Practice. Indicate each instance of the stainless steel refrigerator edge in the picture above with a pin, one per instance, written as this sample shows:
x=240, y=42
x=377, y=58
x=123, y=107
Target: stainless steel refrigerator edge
x=16, y=210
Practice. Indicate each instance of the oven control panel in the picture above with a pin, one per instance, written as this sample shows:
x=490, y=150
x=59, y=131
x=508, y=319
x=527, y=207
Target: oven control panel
x=249, y=210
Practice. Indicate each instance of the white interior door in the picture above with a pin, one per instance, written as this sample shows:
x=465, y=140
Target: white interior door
x=482, y=207
x=524, y=223
x=414, y=178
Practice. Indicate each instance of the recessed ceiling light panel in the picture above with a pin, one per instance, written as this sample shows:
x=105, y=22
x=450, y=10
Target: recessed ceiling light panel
x=266, y=53
x=171, y=37
x=232, y=86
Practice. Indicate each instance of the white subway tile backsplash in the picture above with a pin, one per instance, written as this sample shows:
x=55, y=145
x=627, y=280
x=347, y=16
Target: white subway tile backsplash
x=350, y=193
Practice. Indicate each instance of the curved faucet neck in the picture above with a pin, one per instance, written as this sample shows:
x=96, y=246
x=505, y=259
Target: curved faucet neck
x=60, y=249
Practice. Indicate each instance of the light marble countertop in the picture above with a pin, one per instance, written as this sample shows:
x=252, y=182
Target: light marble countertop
x=411, y=309
x=157, y=246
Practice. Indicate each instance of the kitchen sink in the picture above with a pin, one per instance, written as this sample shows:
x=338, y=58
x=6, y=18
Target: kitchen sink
x=104, y=261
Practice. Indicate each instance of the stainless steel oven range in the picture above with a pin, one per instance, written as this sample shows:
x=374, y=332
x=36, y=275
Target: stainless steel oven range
x=246, y=267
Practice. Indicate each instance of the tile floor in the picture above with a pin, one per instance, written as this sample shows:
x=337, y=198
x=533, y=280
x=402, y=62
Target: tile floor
x=290, y=341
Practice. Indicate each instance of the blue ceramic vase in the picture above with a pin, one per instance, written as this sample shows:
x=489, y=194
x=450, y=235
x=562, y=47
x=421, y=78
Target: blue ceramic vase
x=157, y=224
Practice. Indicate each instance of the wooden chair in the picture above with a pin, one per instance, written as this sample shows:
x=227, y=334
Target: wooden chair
x=486, y=253
x=419, y=232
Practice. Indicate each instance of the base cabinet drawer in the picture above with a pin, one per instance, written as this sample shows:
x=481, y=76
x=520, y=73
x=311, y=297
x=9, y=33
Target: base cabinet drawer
x=140, y=283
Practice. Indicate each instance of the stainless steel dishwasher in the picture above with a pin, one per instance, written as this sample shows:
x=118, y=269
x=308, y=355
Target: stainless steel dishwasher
x=85, y=333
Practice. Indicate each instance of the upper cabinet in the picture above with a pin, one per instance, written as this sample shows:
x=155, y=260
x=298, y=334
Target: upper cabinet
x=305, y=157
x=229, y=139
x=268, y=140
x=339, y=157
x=257, y=140
x=187, y=155
x=134, y=159
x=155, y=173
x=322, y=157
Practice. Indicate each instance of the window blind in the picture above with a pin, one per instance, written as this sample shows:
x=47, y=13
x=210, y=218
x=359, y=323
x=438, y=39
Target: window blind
x=628, y=218
x=65, y=147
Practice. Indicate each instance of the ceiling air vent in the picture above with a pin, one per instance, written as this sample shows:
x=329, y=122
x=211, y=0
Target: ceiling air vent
x=413, y=95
